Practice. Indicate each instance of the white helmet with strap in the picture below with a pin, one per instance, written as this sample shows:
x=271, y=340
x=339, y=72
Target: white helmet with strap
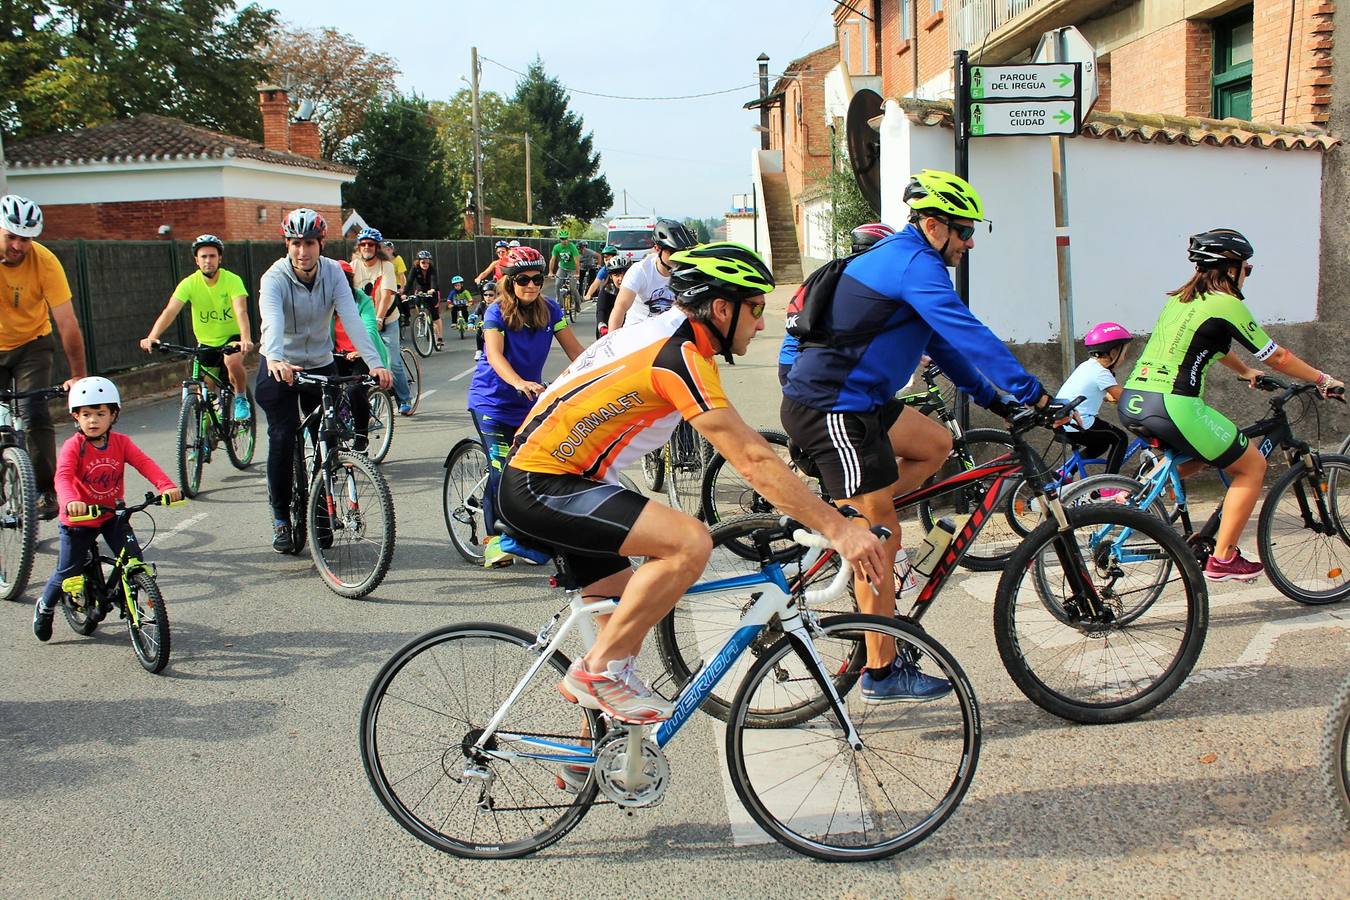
x=21, y=216
x=93, y=391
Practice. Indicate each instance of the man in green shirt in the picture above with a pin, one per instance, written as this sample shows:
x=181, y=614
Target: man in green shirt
x=564, y=259
x=219, y=304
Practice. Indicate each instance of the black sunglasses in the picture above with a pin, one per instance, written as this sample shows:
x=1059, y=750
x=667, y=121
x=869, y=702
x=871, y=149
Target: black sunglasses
x=962, y=232
x=522, y=280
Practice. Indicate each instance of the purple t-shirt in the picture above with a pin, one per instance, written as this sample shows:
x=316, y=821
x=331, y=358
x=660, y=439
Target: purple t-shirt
x=526, y=350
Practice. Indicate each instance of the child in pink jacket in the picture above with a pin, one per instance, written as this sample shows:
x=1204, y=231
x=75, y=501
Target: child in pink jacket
x=89, y=471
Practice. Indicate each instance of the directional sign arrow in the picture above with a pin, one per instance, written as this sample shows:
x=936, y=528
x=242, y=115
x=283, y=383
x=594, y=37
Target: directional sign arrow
x=1063, y=117
x=1064, y=79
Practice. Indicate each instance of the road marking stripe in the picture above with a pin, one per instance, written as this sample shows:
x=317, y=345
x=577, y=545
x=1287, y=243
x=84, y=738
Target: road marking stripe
x=467, y=372
x=185, y=524
x=426, y=394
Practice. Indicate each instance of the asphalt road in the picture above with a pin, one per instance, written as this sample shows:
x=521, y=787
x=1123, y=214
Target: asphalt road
x=236, y=772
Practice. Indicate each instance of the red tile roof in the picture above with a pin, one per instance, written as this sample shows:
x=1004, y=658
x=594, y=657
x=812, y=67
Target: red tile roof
x=150, y=138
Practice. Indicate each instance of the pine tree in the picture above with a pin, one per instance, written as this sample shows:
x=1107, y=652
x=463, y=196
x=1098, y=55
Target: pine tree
x=568, y=184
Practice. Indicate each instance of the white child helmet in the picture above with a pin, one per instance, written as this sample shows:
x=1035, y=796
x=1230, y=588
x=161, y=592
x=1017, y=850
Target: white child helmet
x=91, y=392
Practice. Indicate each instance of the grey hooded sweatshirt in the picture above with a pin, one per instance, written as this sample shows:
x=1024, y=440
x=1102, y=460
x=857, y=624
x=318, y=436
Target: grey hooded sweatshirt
x=297, y=320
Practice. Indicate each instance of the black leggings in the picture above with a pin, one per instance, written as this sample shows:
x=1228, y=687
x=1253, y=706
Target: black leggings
x=358, y=396
x=283, y=404
x=1102, y=440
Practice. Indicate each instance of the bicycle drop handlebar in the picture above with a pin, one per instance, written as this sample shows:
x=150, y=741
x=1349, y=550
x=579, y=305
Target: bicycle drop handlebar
x=151, y=499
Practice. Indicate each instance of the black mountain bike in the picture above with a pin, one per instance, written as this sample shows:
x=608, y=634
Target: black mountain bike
x=340, y=501
x=18, y=493
x=206, y=418
x=127, y=584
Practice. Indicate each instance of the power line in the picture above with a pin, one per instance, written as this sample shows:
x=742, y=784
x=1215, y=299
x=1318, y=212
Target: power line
x=621, y=97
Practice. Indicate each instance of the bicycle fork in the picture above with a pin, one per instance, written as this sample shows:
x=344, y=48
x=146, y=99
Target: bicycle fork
x=795, y=629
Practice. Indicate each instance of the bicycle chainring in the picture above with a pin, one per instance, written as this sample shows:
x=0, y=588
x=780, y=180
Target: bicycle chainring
x=611, y=764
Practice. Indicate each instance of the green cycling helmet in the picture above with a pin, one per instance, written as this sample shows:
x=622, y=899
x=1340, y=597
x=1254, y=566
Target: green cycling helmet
x=943, y=192
x=609, y=250
x=722, y=269
x=563, y=234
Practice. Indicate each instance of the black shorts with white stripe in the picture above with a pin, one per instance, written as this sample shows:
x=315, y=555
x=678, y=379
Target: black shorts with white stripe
x=851, y=450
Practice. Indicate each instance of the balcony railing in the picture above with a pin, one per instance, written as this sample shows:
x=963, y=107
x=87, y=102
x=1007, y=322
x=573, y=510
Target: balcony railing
x=976, y=18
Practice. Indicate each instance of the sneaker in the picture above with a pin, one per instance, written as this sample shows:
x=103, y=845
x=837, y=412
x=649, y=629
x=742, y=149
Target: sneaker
x=42, y=622
x=494, y=557
x=477, y=355
x=572, y=778
x=1235, y=568
x=46, y=506
x=617, y=692
x=282, y=541
x=905, y=684
x=404, y=409
x=242, y=410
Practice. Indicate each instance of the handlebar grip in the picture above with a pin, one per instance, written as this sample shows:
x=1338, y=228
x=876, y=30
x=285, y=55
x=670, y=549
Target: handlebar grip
x=93, y=513
x=1336, y=393
x=810, y=539
x=882, y=532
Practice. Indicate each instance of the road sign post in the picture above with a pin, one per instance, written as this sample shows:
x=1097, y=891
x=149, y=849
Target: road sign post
x=961, y=128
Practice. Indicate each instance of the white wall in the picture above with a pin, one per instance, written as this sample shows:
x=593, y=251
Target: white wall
x=1131, y=207
x=741, y=229
x=763, y=161
x=180, y=180
x=816, y=228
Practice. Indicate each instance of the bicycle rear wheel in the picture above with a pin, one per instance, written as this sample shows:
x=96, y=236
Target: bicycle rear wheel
x=243, y=433
x=654, y=470
x=686, y=462
x=414, y=370
x=81, y=616
x=998, y=538
x=424, y=713
x=149, y=628
x=815, y=793
x=18, y=522
x=351, y=525
x=1302, y=536
x=191, y=445
x=424, y=339
x=380, y=433
x=1135, y=649
x=466, y=472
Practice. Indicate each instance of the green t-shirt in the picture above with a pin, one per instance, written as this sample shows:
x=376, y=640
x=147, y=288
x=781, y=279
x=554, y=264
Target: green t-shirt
x=567, y=255
x=213, y=321
x=1190, y=337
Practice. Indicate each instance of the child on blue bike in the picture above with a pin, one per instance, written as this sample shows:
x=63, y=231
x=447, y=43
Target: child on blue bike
x=1095, y=380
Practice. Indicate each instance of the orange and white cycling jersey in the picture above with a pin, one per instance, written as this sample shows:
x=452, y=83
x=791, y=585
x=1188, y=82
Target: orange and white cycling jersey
x=621, y=398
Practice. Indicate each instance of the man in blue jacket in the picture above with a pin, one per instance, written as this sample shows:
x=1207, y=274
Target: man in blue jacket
x=894, y=304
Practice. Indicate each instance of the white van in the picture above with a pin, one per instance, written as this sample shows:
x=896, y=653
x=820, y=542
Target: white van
x=632, y=235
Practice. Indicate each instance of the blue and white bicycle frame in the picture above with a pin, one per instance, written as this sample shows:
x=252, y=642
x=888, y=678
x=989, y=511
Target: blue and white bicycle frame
x=775, y=600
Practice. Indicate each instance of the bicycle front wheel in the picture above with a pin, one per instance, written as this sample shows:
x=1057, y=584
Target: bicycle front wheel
x=351, y=525
x=149, y=625
x=414, y=370
x=1302, y=536
x=1118, y=656
x=686, y=462
x=299, y=495
x=380, y=433
x=423, y=715
x=18, y=522
x=243, y=433
x=654, y=470
x=466, y=473
x=726, y=493
x=191, y=445
x=424, y=339
x=818, y=795
x=1336, y=752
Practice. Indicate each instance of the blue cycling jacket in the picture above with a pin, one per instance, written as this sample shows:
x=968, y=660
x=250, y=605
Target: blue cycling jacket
x=902, y=287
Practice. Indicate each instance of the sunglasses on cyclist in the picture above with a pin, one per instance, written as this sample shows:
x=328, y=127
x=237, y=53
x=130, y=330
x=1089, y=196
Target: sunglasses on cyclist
x=1247, y=268
x=365, y=244
x=756, y=308
x=962, y=232
x=522, y=280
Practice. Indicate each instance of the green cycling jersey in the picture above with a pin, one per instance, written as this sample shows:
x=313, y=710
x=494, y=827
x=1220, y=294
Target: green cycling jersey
x=1190, y=337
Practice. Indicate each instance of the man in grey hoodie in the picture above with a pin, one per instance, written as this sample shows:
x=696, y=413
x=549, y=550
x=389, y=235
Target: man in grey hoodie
x=297, y=300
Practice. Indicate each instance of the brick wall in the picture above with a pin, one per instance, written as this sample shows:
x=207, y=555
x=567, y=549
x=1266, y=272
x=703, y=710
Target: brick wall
x=804, y=135
x=1167, y=71
x=931, y=45
x=1308, y=48
x=230, y=218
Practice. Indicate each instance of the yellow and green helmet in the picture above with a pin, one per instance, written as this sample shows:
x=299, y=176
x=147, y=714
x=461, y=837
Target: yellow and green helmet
x=721, y=269
x=932, y=189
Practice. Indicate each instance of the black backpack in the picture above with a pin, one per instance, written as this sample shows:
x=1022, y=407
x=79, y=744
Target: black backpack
x=808, y=310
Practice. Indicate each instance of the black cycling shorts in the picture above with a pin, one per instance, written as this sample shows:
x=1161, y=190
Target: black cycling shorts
x=217, y=360
x=852, y=451
x=587, y=520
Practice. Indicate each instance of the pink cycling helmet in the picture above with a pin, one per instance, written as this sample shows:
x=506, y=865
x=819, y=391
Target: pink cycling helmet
x=1106, y=337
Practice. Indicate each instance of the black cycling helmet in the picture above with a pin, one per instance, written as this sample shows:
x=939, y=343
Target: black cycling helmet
x=723, y=269
x=671, y=235
x=1219, y=247
x=424, y=254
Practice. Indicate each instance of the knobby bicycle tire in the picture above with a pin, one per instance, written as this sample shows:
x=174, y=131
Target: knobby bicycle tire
x=368, y=565
x=151, y=651
x=687, y=456
x=380, y=433
x=1319, y=547
x=383, y=750
x=1026, y=625
x=191, y=445
x=243, y=433
x=466, y=469
x=1336, y=752
x=903, y=746
x=299, y=495
x=19, y=529
x=654, y=470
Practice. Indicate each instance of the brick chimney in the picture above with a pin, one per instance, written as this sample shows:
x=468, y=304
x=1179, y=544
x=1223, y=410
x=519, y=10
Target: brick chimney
x=275, y=104
x=305, y=139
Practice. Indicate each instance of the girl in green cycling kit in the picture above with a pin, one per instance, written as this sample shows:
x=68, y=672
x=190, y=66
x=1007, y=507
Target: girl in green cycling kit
x=1163, y=398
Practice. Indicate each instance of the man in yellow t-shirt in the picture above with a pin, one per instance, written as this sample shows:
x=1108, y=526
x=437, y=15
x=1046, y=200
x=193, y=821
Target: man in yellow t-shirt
x=219, y=304
x=400, y=267
x=33, y=293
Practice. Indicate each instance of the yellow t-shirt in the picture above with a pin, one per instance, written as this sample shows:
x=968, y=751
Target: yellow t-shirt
x=28, y=293
x=400, y=271
x=213, y=321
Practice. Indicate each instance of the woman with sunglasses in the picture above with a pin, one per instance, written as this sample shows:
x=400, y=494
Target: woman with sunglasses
x=494, y=268
x=518, y=332
x=1163, y=397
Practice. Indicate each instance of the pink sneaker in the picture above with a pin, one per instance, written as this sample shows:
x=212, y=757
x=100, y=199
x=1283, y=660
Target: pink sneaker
x=617, y=692
x=1233, y=569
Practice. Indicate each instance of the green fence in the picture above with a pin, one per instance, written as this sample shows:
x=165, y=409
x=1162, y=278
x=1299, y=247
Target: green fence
x=121, y=286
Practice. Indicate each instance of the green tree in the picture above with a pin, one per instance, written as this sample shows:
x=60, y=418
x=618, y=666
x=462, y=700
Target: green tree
x=567, y=176
x=83, y=62
x=402, y=181
x=340, y=74
x=502, y=124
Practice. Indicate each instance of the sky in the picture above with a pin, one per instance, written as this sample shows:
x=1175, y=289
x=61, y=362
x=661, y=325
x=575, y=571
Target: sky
x=679, y=158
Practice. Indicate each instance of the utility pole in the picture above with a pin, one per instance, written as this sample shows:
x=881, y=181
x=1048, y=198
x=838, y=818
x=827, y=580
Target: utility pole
x=763, y=60
x=625, y=201
x=529, y=201
x=4, y=187
x=477, y=150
